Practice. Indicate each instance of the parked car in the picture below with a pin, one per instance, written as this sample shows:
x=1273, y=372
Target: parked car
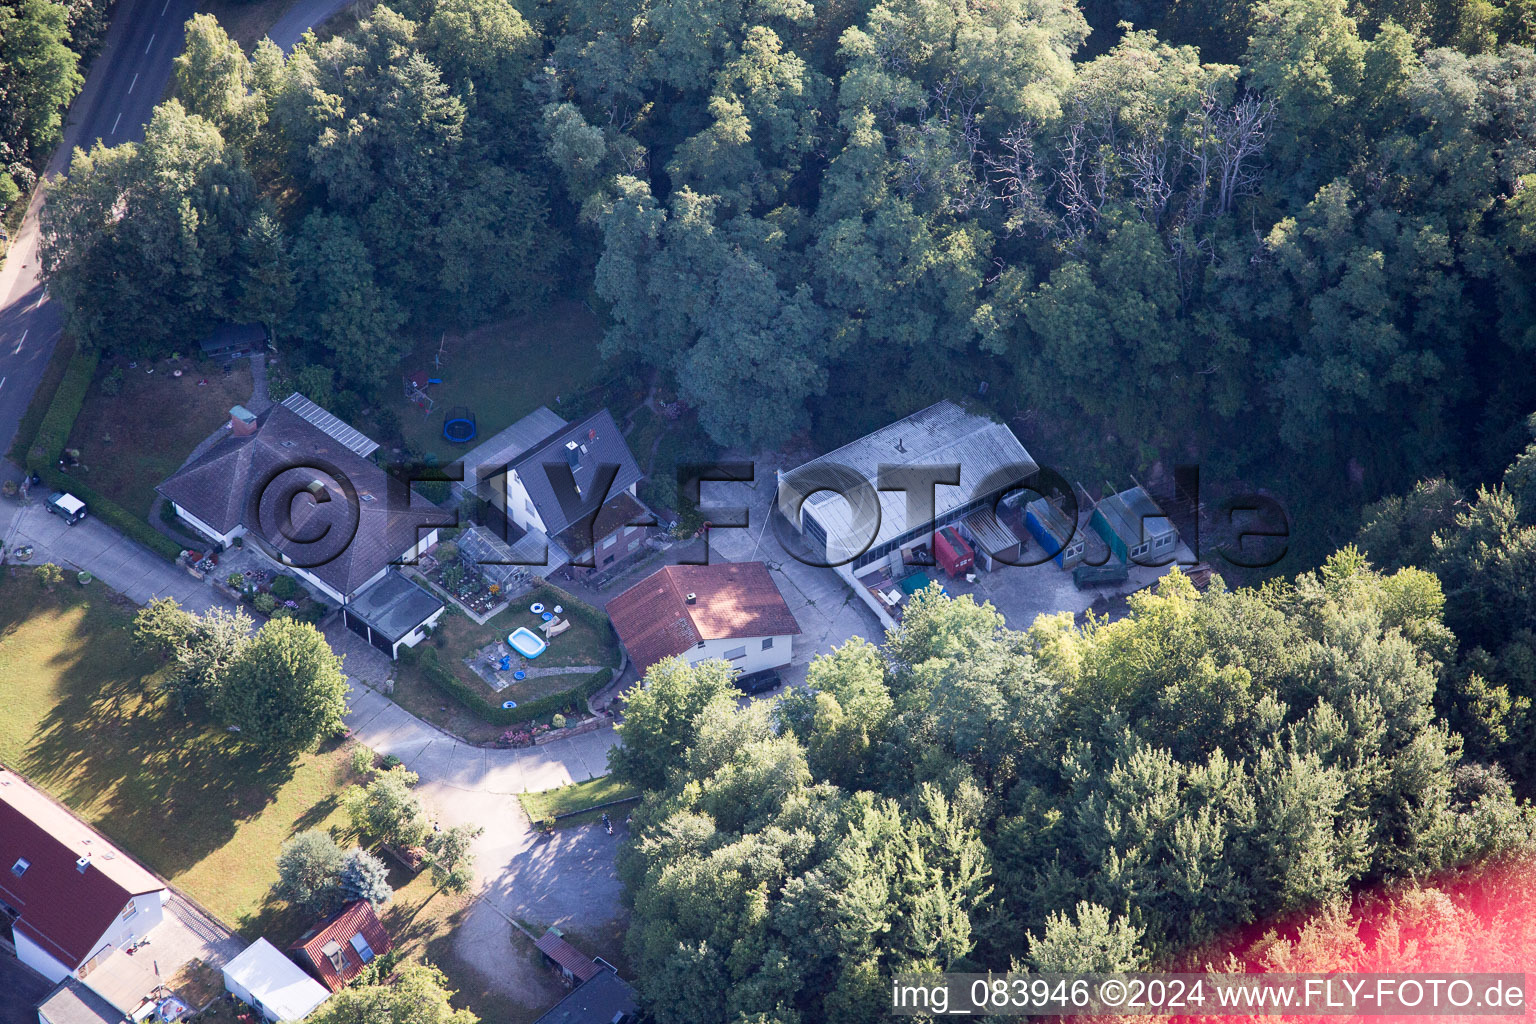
x=758, y=682
x=66, y=506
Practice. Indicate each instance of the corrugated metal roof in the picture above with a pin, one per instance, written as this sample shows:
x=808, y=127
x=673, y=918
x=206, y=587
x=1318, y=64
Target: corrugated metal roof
x=567, y=956
x=992, y=535
x=331, y=425
x=940, y=435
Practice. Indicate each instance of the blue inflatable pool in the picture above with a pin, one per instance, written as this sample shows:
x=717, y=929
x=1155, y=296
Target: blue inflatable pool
x=526, y=642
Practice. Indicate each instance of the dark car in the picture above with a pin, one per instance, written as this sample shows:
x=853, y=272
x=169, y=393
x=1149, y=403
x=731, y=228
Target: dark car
x=758, y=682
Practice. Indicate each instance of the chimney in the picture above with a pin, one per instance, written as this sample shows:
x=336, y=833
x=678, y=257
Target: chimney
x=573, y=455
x=83, y=863
x=591, y=433
x=900, y=447
x=692, y=598
x=242, y=422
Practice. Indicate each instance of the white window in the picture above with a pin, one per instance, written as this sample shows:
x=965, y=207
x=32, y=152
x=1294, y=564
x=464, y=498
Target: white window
x=20, y=867
x=129, y=911
x=735, y=652
x=634, y=544
x=610, y=540
x=364, y=950
x=767, y=642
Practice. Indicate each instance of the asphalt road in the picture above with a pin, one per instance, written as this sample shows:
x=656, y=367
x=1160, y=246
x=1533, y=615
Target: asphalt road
x=126, y=81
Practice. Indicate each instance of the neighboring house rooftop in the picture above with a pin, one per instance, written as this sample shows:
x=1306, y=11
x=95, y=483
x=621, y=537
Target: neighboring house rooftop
x=655, y=619
x=277, y=982
x=1134, y=516
x=246, y=481
x=73, y=1003
x=491, y=456
x=584, y=446
x=394, y=606
x=940, y=435
x=339, y=948
x=622, y=510
x=66, y=882
x=554, y=946
x=605, y=998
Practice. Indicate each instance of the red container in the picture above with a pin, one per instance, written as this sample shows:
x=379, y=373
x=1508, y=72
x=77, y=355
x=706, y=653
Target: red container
x=952, y=552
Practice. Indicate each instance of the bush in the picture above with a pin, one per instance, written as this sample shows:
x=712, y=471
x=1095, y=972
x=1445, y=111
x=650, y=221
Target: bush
x=42, y=399
x=362, y=761
x=236, y=580
x=308, y=872
x=264, y=603
x=286, y=588
x=48, y=574
x=53, y=433
x=558, y=721
x=112, y=383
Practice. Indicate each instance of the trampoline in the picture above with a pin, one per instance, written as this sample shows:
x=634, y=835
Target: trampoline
x=459, y=425
x=509, y=704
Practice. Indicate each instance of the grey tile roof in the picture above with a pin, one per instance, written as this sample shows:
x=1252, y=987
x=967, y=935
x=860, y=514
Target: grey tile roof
x=394, y=606
x=542, y=469
x=358, y=521
x=492, y=455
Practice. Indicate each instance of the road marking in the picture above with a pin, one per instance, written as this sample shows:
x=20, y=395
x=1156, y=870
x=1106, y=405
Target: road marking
x=152, y=38
x=21, y=340
x=2, y=382
x=165, y=8
x=135, y=79
x=40, y=299
x=114, y=123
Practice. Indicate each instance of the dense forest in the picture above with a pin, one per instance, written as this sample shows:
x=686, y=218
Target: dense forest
x=1292, y=241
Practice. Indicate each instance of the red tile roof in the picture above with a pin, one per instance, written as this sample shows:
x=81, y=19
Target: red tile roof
x=355, y=919
x=62, y=909
x=734, y=600
x=567, y=956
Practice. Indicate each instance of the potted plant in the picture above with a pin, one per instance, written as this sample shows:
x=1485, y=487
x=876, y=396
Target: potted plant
x=84, y=577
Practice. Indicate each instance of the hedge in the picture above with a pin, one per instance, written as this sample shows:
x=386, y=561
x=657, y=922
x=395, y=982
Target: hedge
x=111, y=513
x=53, y=432
x=494, y=714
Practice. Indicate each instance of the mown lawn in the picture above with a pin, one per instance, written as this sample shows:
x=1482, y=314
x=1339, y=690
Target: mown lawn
x=501, y=372
x=131, y=441
x=577, y=796
x=82, y=721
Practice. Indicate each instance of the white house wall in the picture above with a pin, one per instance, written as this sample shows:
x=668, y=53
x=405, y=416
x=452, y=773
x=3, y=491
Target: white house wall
x=756, y=659
x=31, y=954
x=205, y=529
x=520, y=507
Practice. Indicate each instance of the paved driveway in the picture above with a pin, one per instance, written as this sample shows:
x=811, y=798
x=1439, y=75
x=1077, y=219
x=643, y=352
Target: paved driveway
x=21, y=989
x=91, y=544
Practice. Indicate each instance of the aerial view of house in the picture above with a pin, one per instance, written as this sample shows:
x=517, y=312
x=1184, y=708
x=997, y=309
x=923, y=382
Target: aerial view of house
x=619, y=512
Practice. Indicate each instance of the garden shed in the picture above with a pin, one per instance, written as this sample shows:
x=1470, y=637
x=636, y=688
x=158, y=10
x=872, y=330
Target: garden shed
x=273, y=984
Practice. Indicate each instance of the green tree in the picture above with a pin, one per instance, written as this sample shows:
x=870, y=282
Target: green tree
x=214, y=80
x=386, y=809
x=660, y=718
x=285, y=688
x=140, y=241
x=267, y=294
x=419, y=994
x=162, y=627
x=308, y=872
x=203, y=658
x=451, y=854
x=363, y=877
x=39, y=75
x=342, y=311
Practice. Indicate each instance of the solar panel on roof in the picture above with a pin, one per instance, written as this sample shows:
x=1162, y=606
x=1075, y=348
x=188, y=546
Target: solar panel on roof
x=351, y=437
